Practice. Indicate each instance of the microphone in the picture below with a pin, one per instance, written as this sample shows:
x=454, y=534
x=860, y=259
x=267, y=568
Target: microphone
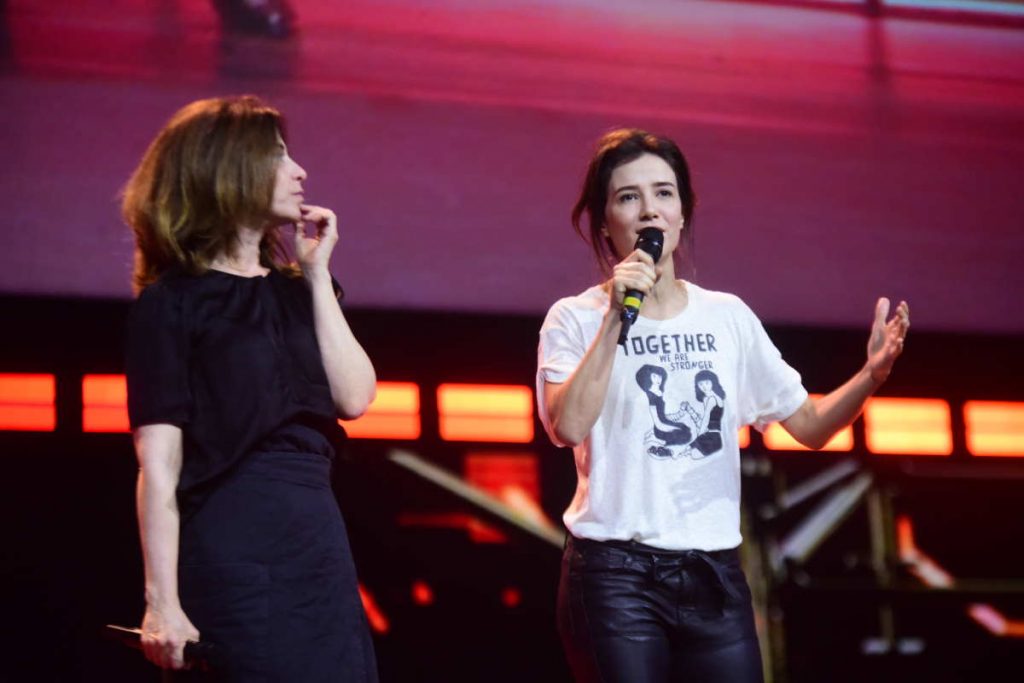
x=650, y=240
x=197, y=655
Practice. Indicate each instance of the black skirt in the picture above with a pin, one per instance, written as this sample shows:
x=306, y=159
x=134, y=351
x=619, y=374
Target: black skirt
x=266, y=575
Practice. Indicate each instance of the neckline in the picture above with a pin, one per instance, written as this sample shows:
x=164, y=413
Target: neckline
x=690, y=300
x=237, y=276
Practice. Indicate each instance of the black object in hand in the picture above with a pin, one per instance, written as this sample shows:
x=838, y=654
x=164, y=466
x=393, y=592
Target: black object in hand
x=651, y=241
x=197, y=655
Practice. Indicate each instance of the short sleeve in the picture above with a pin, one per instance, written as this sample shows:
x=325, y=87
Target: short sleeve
x=559, y=353
x=156, y=359
x=770, y=389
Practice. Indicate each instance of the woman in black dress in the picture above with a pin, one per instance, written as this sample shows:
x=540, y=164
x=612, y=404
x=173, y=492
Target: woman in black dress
x=238, y=366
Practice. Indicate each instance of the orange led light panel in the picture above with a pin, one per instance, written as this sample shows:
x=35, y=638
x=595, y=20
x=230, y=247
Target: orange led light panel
x=28, y=402
x=908, y=426
x=105, y=403
x=485, y=412
x=744, y=437
x=394, y=414
x=995, y=428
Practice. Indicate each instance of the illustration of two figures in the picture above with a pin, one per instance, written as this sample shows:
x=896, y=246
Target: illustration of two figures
x=693, y=431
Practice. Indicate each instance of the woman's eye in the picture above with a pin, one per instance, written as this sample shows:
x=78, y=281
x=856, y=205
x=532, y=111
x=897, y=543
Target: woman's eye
x=629, y=196
x=665, y=193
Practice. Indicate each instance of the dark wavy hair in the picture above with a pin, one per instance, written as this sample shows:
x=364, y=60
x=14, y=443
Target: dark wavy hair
x=646, y=372
x=715, y=386
x=614, y=149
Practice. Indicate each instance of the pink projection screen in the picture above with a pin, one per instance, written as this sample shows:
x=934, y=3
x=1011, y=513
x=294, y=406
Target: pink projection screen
x=836, y=159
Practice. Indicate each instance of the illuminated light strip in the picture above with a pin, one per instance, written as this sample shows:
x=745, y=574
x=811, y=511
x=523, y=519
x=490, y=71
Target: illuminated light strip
x=374, y=614
x=28, y=402
x=485, y=412
x=991, y=7
x=477, y=529
x=777, y=438
x=908, y=426
x=994, y=428
x=512, y=478
x=931, y=574
x=394, y=414
x=744, y=437
x=105, y=403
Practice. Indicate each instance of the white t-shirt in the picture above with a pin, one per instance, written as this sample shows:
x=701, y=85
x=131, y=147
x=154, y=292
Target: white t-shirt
x=661, y=464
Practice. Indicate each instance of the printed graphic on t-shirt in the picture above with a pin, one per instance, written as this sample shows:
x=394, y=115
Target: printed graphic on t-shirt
x=680, y=428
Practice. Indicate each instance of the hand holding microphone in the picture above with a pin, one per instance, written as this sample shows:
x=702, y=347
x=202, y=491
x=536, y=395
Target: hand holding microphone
x=650, y=241
x=196, y=655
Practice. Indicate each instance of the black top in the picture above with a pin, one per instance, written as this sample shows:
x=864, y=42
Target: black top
x=235, y=363
x=715, y=420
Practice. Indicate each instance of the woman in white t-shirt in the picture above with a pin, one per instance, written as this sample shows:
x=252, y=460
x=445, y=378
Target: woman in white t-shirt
x=651, y=586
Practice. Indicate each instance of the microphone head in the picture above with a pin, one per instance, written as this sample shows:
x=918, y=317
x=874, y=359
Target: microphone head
x=651, y=240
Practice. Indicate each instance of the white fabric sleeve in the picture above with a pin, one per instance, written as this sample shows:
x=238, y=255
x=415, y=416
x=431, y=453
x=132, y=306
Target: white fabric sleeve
x=559, y=353
x=770, y=390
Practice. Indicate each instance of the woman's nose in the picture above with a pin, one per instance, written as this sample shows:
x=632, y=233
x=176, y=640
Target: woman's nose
x=647, y=210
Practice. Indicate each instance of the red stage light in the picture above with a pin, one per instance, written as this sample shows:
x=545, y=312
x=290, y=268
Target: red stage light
x=994, y=428
x=28, y=402
x=105, y=403
x=908, y=426
x=511, y=597
x=485, y=412
x=422, y=594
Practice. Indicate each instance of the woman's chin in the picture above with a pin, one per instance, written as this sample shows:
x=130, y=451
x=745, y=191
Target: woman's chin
x=284, y=219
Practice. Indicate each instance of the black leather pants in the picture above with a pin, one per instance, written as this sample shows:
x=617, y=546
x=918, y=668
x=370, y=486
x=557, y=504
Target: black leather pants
x=634, y=614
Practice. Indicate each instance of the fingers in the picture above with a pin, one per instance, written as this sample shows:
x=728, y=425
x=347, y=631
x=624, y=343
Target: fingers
x=901, y=323
x=635, y=275
x=881, y=311
x=898, y=326
x=641, y=256
x=325, y=220
x=167, y=653
x=164, y=638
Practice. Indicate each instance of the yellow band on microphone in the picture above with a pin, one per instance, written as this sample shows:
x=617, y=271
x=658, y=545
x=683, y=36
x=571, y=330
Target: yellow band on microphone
x=632, y=302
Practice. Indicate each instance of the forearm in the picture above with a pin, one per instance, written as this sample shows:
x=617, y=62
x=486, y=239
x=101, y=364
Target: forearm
x=819, y=419
x=574, y=406
x=350, y=373
x=159, y=450
x=159, y=524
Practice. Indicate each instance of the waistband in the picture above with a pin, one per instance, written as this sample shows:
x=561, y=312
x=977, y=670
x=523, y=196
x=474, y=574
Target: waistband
x=637, y=547
x=664, y=562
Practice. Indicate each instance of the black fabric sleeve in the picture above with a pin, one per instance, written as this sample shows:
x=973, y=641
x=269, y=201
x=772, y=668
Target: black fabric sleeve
x=156, y=361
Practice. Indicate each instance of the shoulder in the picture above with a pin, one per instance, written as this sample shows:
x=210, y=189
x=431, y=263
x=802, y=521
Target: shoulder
x=164, y=300
x=720, y=303
x=588, y=304
x=171, y=285
x=592, y=300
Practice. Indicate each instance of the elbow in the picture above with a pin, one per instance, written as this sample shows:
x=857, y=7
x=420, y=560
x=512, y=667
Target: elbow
x=567, y=435
x=352, y=406
x=813, y=441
